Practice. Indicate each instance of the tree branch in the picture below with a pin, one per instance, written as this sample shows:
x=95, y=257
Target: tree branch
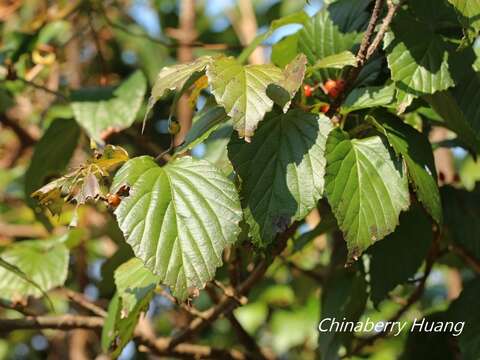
x=227, y=303
x=83, y=302
x=23, y=135
x=362, y=56
x=469, y=259
x=43, y=88
x=64, y=322
x=251, y=346
x=157, y=346
x=432, y=256
x=367, y=47
x=392, y=10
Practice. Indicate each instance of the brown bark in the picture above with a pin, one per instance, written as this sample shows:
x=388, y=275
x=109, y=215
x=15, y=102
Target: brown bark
x=186, y=35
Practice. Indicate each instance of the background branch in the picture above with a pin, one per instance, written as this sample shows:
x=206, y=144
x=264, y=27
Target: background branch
x=157, y=346
x=227, y=303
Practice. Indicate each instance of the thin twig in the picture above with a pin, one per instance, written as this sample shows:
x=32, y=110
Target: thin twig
x=21, y=308
x=64, y=322
x=82, y=301
x=318, y=277
x=227, y=303
x=251, y=346
x=432, y=256
x=23, y=135
x=157, y=346
x=186, y=34
x=194, y=44
x=392, y=10
x=362, y=56
x=98, y=45
x=187, y=308
x=367, y=48
x=463, y=253
x=41, y=87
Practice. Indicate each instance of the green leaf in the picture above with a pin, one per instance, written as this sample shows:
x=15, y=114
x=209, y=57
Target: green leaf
x=135, y=283
x=446, y=105
x=465, y=309
x=457, y=106
x=286, y=88
x=104, y=109
x=395, y=259
x=296, y=18
x=175, y=77
x=5, y=265
x=344, y=297
x=43, y=262
x=469, y=169
x=178, y=218
x=430, y=344
x=417, y=57
x=294, y=326
x=204, y=123
x=215, y=149
x=285, y=50
x=366, y=187
x=468, y=11
x=52, y=153
x=438, y=14
x=462, y=211
x=108, y=331
x=327, y=223
x=282, y=171
x=321, y=38
x=135, y=289
x=350, y=15
x=368, y=97
x=83, y=183
x=336, y=61
x=417, y=153
x=241, y=90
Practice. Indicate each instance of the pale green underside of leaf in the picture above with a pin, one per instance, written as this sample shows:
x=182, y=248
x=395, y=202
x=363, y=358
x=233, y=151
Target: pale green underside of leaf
x=178, y=218
x=408, y=245
x=366, y=187
x=117, y=110
x=134, y=283
x=281, y=171
x=44, y=262
x=417, y=57
x=174, y=77
x=241, y=90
